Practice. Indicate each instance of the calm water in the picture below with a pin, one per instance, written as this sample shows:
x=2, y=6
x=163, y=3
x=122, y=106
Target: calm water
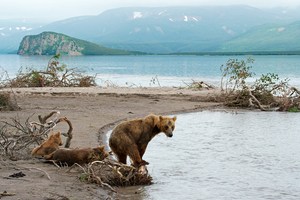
x=213, y=155
x=223, y=156
x=170, y=70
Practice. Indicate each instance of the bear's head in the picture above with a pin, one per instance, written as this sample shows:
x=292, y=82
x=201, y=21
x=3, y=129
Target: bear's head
x=167, y=125
x=56, y=139
x=48, y=146
x=99, y=153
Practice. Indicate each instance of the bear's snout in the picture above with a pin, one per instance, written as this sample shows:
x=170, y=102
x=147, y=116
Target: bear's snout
x=169, y=134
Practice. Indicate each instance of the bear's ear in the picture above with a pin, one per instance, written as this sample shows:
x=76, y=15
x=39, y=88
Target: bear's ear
x=52, y=136
x=174, y=118
x=161, y=118
x=57, y=134
x=101, y=148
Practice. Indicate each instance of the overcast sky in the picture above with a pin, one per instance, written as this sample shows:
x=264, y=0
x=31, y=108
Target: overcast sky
x=62, y=9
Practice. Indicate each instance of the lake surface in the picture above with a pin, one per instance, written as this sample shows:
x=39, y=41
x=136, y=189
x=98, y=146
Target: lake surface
x=217, y=155
x=174, y=70
x=213, y=154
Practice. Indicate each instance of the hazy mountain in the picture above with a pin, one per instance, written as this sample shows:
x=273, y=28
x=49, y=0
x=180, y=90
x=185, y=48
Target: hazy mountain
x=167, y=29
x=13, y=30
x=51, y=43
x=266, y=38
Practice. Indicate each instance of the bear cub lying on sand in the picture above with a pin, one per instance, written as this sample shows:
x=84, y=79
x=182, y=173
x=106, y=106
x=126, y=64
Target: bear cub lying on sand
x=79, y=156
x=130, y=138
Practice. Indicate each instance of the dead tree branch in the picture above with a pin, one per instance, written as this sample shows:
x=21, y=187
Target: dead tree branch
x=256, y=101
x=17, y=139
x=111, y=173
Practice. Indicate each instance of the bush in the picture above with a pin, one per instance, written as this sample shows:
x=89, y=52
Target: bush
x=7, y=102
x=55, y=75
x=268, y=92
x=235, y=74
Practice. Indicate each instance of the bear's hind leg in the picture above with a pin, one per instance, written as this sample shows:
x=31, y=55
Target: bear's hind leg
x=134, y=155
x=122, y=158
x=142, y=150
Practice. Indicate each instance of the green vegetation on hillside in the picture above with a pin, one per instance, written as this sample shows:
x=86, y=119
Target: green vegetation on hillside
x=267, y=38
x=51, y=43
x=90, y=48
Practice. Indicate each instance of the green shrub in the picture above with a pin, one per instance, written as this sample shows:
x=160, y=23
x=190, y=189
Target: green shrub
x=55, y=75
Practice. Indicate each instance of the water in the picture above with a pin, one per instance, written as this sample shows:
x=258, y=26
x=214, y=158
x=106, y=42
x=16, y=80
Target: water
x=170, y=70
x=223, y=156
x=213, y=155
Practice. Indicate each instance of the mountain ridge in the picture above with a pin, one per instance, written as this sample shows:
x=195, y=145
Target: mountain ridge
x=275, y=37
x=168, y=29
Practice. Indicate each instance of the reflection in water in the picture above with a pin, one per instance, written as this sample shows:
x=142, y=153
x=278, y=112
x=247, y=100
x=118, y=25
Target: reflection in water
x=220, y=155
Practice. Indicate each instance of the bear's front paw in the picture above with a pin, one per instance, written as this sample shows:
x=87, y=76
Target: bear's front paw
x=144, y=162
x=143, y=170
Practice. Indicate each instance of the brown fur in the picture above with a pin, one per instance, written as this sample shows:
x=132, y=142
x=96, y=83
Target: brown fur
x=130, y=138
x=79, y=156
x=48, y=146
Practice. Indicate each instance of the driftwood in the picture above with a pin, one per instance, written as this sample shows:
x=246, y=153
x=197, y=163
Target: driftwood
x=287, y=100
x=55, y=75
x=47, y=126
x=6, y=194
x=252, y=97
x=294, y=91
x=69, y=133
x=199, y=85
x=109, y=173
x=34, y=168
x=17, y=139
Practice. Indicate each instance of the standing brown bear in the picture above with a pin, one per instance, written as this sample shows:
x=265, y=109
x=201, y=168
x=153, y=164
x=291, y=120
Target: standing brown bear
x=130, y=138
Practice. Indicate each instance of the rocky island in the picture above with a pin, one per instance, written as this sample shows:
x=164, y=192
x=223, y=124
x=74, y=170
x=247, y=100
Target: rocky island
x=51, y=43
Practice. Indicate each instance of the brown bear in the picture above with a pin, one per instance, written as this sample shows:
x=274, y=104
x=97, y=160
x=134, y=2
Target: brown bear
x=130, y=138
x=79, y=156
x=48, y=146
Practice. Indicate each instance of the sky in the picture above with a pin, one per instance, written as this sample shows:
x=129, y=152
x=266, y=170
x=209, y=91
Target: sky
x=53, y=10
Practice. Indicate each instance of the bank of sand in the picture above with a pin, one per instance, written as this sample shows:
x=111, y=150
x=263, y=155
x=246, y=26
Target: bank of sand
x=92, y=112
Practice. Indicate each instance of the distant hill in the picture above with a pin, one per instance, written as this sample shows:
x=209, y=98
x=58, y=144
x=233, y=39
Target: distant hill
x=13, y=30
x=170, y=29
x=166, y=29
x=270, y=37
x=51, y=43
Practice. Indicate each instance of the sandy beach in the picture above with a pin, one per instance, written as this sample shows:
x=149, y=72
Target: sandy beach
x=92, y=111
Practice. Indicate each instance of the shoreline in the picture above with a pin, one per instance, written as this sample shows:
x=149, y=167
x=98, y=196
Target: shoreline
x=102, y=133
x=92, y=111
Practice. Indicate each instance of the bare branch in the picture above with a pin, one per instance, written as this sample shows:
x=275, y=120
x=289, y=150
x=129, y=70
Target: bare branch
x=256, y=101
x=17, y=141
x=33, y=168
x=69, y=133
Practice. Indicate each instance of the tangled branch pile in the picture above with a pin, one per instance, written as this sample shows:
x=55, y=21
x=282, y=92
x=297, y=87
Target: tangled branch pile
x=7, y=100
x=266, y=93
x=55, y=75
x=17, y=139
x=112, y=173
x=199, y=85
